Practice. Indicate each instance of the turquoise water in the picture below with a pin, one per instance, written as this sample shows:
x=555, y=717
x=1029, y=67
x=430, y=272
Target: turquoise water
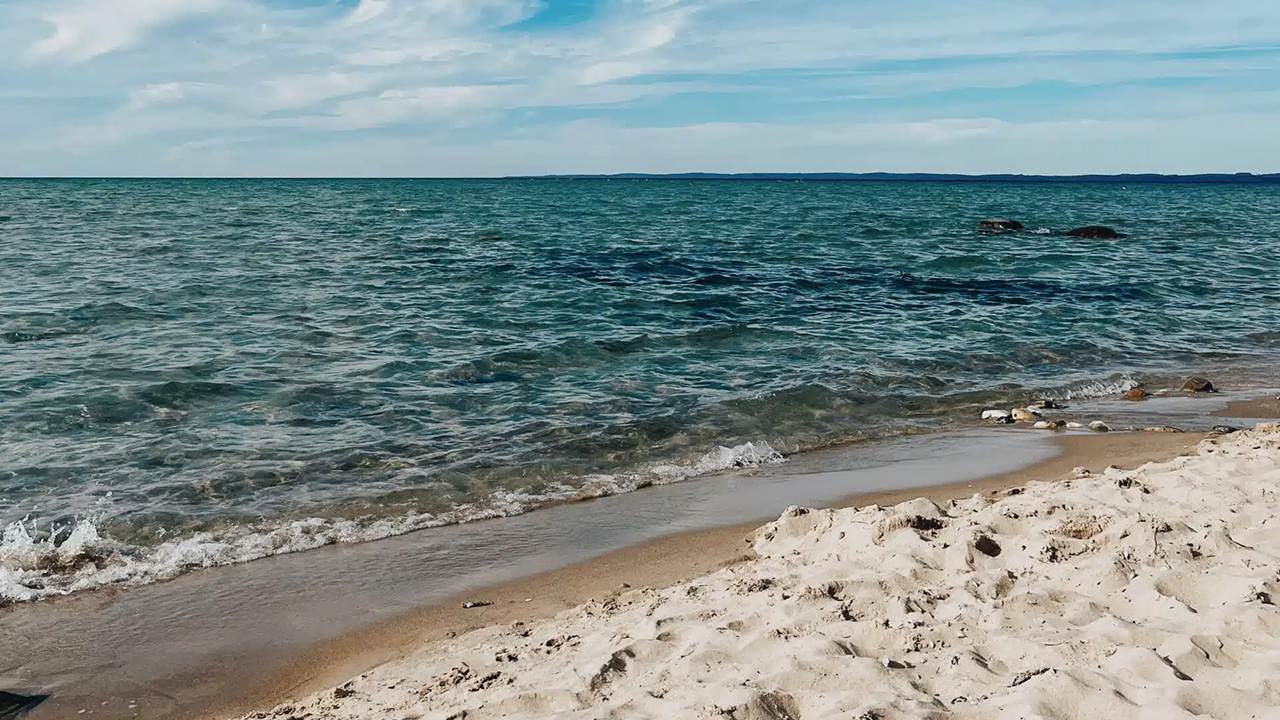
x=200, y=372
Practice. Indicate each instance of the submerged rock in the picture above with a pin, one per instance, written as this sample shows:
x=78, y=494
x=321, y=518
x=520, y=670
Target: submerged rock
x=1136, y=394
x=1095, y=232
x=999, y=225
x=1198, y=384
x=1046, y=404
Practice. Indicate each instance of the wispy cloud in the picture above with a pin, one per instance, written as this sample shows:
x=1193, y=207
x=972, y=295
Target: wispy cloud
x=926, y=84
x=85, y=29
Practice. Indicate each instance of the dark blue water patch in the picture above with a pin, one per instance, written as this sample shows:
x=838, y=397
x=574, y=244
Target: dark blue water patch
x=718, y=278
x=1265, y=338
x=1022, y=292
x=99, y=409
x=179, y=395
x=474, y=375
x=626, y=345
x=18, y=336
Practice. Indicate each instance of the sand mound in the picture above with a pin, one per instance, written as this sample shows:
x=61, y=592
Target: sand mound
x=1135, y=594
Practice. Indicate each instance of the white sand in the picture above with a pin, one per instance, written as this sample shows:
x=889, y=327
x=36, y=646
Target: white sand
x=1126, y=594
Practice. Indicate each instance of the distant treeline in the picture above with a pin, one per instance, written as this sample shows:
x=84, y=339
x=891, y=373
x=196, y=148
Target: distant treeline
x=1207, y=178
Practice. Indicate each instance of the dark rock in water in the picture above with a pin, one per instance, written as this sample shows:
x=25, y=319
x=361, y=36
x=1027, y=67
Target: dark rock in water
x=1095, y=232
x=1136, y=394
x=1047, y=404
x=1198, y=384
x=1000, y=225
x=14, y=706
x=1224, y=429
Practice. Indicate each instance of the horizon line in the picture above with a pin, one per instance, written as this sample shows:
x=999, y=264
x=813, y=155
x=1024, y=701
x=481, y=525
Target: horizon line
x=837, y=176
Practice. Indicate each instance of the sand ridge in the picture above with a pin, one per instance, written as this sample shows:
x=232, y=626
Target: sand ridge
x=1142, y=593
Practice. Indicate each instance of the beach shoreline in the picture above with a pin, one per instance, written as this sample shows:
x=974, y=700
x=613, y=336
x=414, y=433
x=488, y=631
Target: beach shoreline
x=1086, y=508
x=654, y=564
x=253, y=635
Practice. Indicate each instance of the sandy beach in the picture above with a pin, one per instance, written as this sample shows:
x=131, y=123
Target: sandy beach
x=253, y=635
x=1053, y=591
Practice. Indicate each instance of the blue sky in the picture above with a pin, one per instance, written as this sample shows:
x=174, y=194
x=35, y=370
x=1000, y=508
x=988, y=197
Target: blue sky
x=492, y=87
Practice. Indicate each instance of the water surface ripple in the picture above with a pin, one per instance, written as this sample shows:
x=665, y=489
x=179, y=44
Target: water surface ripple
x=199, y=372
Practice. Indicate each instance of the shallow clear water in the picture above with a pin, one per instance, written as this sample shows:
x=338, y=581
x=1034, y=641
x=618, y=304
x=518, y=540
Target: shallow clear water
x=200, y=372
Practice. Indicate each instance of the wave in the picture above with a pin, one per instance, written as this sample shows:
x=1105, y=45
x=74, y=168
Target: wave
x=79, y=556
x=1110, y=387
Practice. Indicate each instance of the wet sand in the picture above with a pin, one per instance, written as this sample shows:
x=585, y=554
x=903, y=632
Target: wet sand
x=656, y=564
x=1264, y=408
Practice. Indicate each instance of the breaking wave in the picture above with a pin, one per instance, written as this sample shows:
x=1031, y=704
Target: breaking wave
x=69, y=558
x=1092, y=389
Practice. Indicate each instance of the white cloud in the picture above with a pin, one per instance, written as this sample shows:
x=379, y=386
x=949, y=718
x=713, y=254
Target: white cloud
x=367, y=10
x=938, y=79
x=304, y=90
x=612, y=70
x=87, y=28
x=436, y=50
x=658, y=34
x=392, y=106
x=156, y=93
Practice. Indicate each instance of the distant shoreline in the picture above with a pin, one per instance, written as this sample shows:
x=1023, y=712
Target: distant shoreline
x=871, y=177
x=1142, y=178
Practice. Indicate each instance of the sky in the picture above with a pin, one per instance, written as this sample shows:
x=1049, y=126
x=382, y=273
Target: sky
x=501, y=87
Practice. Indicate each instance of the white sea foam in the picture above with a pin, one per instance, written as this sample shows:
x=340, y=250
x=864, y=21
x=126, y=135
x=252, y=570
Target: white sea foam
x=1100, y=388
x=78, y=557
